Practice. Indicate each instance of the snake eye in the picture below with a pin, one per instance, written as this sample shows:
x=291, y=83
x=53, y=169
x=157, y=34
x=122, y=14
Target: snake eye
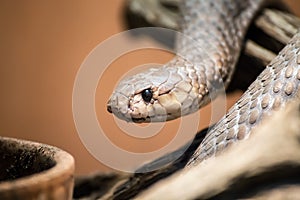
x=147, y=95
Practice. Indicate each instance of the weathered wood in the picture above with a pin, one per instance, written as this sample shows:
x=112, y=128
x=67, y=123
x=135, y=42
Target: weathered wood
x=96, y=185
x=279, y=25
x=252, y=168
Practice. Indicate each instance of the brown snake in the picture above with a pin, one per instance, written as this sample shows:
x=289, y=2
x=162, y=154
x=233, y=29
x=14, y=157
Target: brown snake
x=187, y=83
x=191, y=80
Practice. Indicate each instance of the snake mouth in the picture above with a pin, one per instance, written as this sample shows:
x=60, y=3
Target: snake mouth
x=138, y=120
x=132, y=119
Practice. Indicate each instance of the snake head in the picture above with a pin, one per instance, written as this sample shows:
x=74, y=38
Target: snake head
x=156, y=95
x=138, y=107
x=135, y=99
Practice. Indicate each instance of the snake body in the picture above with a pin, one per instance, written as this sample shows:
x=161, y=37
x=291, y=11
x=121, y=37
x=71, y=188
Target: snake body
x=192, y=79
x=213, y=33
x=188, y=82
x=273, y=88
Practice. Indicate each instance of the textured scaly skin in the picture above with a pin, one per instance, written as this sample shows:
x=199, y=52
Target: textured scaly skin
x=213, y=30
x=273, y=88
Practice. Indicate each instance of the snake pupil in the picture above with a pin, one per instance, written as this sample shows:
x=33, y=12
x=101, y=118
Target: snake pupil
x=147, y=95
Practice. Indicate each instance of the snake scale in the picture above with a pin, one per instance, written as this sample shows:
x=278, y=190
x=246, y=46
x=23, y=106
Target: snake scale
x=194, y=77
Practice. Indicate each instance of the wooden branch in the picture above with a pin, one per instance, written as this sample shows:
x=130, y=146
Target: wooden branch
x=279, y=25
x=253, y=168
x=156, y=13
x=96, y=185
x=259, y=52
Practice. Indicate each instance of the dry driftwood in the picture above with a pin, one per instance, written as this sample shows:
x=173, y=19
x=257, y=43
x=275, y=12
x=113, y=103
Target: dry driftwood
x=265, y=166
x=271, y=164
x=94, y=185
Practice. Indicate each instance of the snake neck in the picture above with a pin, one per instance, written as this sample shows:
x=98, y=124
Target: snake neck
x=213, y=32
x=206, y=56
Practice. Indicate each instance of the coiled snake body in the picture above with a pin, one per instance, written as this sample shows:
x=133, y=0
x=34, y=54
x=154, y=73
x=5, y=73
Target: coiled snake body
x=215, y=30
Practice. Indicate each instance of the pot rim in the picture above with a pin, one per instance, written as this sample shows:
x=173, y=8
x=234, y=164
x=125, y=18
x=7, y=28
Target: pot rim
x=62, y=171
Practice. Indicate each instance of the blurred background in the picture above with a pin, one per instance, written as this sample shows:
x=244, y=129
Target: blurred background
x=42, y=45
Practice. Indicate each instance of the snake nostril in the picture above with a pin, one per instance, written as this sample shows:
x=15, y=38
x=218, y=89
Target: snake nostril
x=108, y=107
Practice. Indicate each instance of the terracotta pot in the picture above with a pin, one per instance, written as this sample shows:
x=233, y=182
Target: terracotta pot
x=30, y=170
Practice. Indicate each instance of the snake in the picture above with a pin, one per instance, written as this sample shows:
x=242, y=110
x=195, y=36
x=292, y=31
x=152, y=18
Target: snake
x=214, y=31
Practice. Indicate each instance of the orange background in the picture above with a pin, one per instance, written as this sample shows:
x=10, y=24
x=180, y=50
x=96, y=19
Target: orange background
x=43, y=44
